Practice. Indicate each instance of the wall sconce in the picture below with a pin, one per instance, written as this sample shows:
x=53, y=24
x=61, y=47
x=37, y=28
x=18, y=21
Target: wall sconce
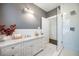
x=28, y=10
x=28, y=15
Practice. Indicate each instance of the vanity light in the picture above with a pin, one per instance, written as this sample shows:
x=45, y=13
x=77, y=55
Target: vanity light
x=29, y=10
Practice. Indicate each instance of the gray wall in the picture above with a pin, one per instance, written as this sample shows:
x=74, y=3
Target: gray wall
x=1, y=13
x=12, y=13
x=52, y=13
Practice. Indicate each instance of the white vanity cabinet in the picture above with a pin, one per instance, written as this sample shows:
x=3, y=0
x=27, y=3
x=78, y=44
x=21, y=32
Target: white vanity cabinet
x=24, y=48
x=21, y=49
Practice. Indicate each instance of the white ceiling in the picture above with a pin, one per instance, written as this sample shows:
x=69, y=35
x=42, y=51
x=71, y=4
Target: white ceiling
x=47, y=6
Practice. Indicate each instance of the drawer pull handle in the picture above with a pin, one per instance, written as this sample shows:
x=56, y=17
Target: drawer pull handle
x=13, y=55
x=12, y=47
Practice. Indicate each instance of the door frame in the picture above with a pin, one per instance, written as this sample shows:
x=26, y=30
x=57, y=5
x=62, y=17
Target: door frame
x=61, y=15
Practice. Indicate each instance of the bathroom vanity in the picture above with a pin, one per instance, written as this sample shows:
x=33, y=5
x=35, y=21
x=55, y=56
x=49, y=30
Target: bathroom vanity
x=28, y=46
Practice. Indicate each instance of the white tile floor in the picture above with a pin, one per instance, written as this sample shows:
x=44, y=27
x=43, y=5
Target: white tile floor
x=48, y=51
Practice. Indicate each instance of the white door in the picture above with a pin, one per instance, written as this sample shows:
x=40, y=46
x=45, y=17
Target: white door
x=52, y=32
x=45, y=29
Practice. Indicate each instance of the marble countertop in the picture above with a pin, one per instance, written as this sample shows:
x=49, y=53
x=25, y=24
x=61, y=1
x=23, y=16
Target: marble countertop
x=16, y=41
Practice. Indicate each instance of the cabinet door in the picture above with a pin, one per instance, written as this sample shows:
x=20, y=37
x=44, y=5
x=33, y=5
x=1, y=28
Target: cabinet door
x=13, y=50
x=37, y=46
x=27, y=48
x=27, y=51
x=44, y=42
x=45, y=29
x=8, y=51
x=24, y=49
x=19, y=49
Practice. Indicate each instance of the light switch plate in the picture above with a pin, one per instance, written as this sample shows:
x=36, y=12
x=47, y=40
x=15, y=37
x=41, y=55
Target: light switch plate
x=72, y=28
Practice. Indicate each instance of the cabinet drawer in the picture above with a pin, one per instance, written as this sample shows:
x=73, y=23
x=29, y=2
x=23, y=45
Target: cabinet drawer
x=11, y=50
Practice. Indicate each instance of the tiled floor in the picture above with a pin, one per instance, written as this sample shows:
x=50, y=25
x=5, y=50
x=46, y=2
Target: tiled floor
x=48, y=51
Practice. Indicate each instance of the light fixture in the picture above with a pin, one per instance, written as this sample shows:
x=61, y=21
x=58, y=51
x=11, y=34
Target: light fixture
x=28, y=10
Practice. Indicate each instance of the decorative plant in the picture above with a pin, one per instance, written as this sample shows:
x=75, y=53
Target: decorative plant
x=2, y=29
x=7, y=31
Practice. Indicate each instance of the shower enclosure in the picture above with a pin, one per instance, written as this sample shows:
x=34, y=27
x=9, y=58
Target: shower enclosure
x=53, y=29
